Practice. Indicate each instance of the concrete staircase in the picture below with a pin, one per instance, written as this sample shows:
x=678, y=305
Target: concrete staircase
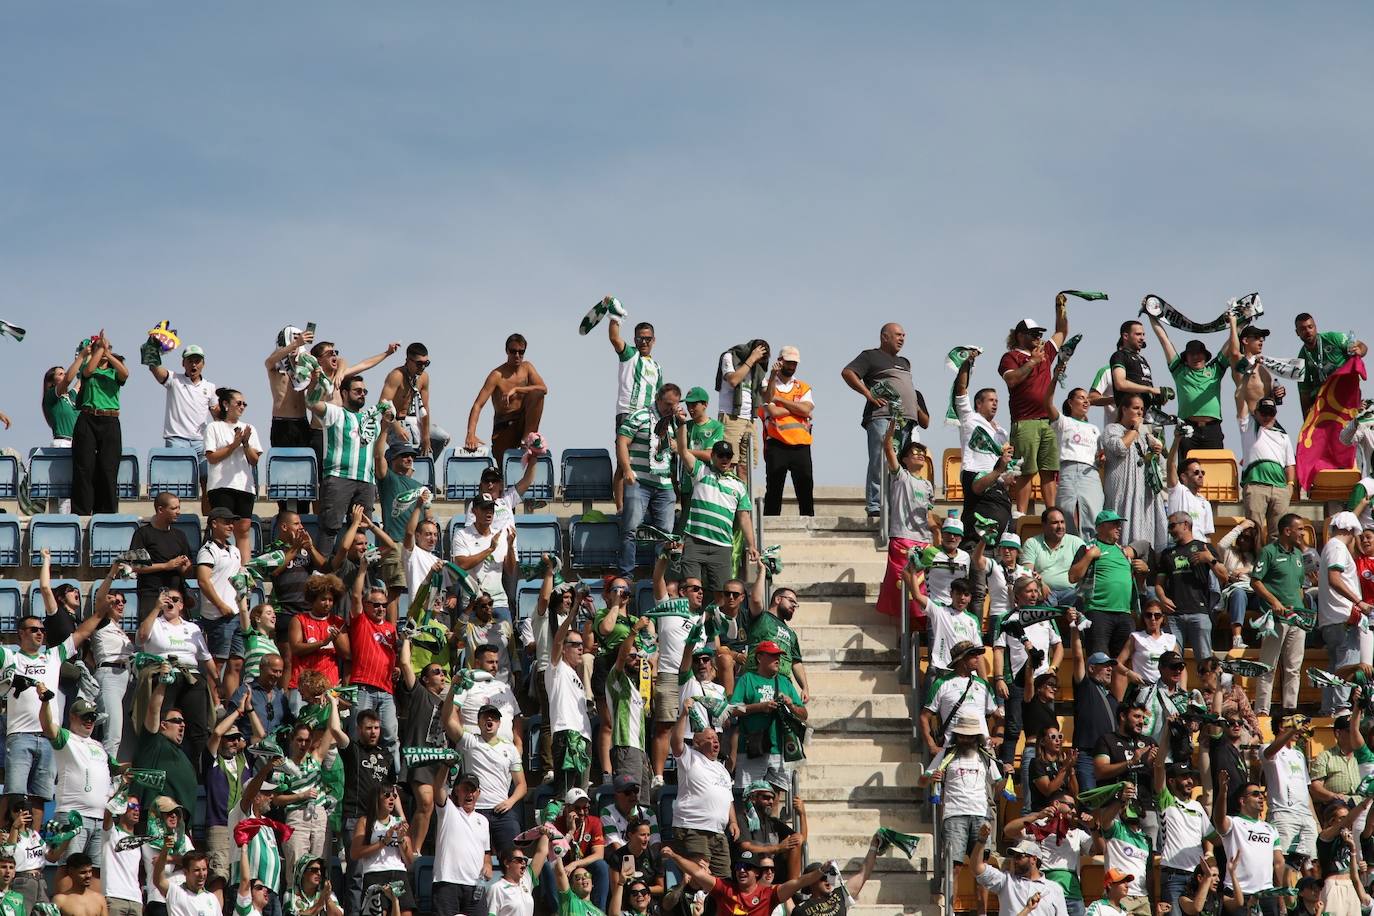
x=861, y=767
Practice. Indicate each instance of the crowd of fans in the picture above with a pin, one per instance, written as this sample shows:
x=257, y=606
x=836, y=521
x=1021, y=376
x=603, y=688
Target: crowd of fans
x=375, y=710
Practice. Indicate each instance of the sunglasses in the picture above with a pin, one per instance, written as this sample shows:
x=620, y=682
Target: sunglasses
x=357, y=392
x=376, y=604
x=632, y=790
x=643, y=339
x=524, y=861
x=173, y=721
x=433, y=671
x=573, y=645
x=1154, y=616
x=514, y=352
x=618, y=589
x=32, y=629
x=422, y=363
x=734, y=594
x=691, y=588
x=639, y=892
x=88, y=718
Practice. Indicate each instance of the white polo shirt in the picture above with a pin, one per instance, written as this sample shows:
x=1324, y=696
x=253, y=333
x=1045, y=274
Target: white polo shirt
x=188, y=407
x=461, y=845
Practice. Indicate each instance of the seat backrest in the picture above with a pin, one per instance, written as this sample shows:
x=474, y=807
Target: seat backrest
x=952, y=465
x=586, y=474
x=536, y=535
x=11, y=606
x=463, y=474
x=1222, y=481
x=593, y=544
x=61, y=534
x=1333, y=484
x=174, y=470
x=9, y=476
x=292, y=473
x=10, y=537
x=34, y=604
x=50, y=473
x=127, y=483
x=526, y=598
x=189, y=524
x=424, y=470
x=512, y=469
x=643, y=595
x=109, y=536
x=452, y=527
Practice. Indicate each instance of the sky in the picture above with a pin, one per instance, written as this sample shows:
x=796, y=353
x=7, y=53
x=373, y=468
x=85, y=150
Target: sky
x=802, y=172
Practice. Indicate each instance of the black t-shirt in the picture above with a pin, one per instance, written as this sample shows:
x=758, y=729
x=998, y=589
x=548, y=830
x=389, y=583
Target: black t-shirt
x=835, y=903
x=161, y=546
x=58, y=625
x=1136, y=366
x=288, y=585
x=1118, y=748
x=1188, y=584
x=646, y=864
x=1040, y=766
x=1226, y=756
x=423, y=727
x=1094, y=713
x=1036, y=716
x=366, y=769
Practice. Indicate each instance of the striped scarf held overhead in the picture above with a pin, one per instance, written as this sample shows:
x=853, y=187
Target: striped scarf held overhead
x=955, y=361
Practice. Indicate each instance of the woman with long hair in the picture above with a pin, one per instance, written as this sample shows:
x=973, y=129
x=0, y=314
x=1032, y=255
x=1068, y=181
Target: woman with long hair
x=170, y=632
x=1239, y=551
x=1135, y=474
x=381, y=850
x=232, y=451
x=1080, y=488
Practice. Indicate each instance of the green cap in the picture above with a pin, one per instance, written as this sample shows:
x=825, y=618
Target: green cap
x=192, y=350
x=1107, y=515
x=697, y=395
x=758, y=785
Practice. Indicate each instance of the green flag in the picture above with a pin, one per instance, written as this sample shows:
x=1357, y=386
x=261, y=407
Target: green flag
x=153, y=779
x=1093, y=799
x=906, y=842
x=419, y=756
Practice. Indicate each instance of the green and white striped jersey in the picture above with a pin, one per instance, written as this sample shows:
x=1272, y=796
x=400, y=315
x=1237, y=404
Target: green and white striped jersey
x=627, y=710
x=345, y=453
x=715, y=500
x=264, y=860
x=639, y=378
x=311, y=777
x=649, y=454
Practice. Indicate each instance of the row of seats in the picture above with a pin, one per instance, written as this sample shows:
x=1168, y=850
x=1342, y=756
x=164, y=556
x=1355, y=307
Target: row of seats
x=293, y=473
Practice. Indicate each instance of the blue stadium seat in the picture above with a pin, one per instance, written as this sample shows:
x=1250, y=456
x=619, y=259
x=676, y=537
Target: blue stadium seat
x=10, y=606
x=526, y=598
x=512, y=470
x=193, y=589
x=175, y=471
x=9, y=541
x=61, y=534
x=311, y=523
x=188, y=523
x=35, y=596
x=127, y=484
x=109, y=536
x=593, y=545
x=449, y=529
x=463, y=473
x=402, y=605
x=9, y=476
x=256, y=531
x=536, y=535
x=50, y=473
x=586, y=474
x=643, y=596
x=423, y=870
x=424, y=471
x=292, y=474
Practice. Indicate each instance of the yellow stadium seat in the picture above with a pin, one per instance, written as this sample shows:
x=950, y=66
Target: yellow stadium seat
x=1333, y=485
x=953, y=463
x=1222, y=483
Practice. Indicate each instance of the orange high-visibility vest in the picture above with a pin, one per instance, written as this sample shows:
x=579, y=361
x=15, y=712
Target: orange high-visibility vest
x=788, y=428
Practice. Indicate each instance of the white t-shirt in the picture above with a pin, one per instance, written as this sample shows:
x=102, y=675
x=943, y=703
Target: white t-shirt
x=1068, y=854
x=119, y=871
x=83, y=775
x=1042, y=635
x=1185, y=826
x=1013, y=893
x=418, y=562
x=1332, y=607
x=234, y=472
x=30, y=852
x=977, y=704
x=388, y=858
x=506, y=898
x=543, y=636
x=945, y=570
x=467, y=542
x=224, y=563
x=495, y=693
x=1077, y=439
x=1286, y=779
x=45, y=667
x=1250, y=844
x=735, y=400
x=671, y=628
x=243, y=905
x=1181, y=499
x=1146, y=650
x=109, y=643
x=183, y=639
x=461, y=846
x=966, y=783
x=908, y=508
x=947, y=628
x=188, y=406
x=181, y=902
x=495, y=765
x=567, y=699
x=695, y=688
x=705, y=792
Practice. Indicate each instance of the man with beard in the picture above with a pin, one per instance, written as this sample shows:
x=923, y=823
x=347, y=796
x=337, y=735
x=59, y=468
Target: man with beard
x=347, y=475
x=786, y=409
x=833, y=895
x=1130, y=369
x=1322, y=353
x=1126, y=754
x=772, y=624
x=1021, y=886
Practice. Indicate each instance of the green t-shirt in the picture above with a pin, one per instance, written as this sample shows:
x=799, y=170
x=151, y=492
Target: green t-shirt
x=1281, y=572
x=1112, y=584
x=390, y=487
x=569, y=904
x=63, y=413
x=609, y=645
x=700, y=437
x=1199, y=390
x=1323, y=359
x=1268, y=473
x=12, y=904
x=768, y=626
x=100, y=390
x=752, y=688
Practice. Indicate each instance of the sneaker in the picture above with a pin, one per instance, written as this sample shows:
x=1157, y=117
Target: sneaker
x=548, y=779
x=656, y=784
x=1237, y=643
x=1017, y=513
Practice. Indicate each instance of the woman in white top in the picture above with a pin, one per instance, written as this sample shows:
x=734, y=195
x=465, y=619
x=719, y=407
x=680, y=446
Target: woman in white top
x=909, y=521
x=1080, y=487
x=1238, y=554
x=232, y=450
x=111, y=653
x=171, y=634
x=1139, y=658
x=513, y=893
x=381, y=850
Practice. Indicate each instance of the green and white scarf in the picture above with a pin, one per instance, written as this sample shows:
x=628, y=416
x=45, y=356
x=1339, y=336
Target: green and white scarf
x=955, y=361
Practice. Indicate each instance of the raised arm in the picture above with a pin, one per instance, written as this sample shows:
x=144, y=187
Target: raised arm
x=475, y=412
x=303, y=339
x=613, y=333
x=684, y=450
x=403, y=662
x=371, y=362
x=1170, y=354
x=699, y=877
x=678, y=738
x=890, y=453
x=45, y=582
x=1080, y=665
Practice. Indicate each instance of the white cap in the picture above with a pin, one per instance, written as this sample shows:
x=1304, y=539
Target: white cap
x=1027, y=325
x=574, y=796
x=1345, y=521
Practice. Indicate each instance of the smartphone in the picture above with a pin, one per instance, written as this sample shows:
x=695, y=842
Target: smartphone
x=310, y=328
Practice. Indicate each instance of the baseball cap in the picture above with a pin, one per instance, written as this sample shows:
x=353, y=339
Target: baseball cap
x=759, y=785
x=471, y=779
x=192, y=350
x=625, y=781
x=490, y=475
x=1267, y=405
x=767, y=647
x=484, y=501
x=1170, y=658
x=1010, y=539
x=789, y=354
x=1181, y=770
x=1101, y=658
x=220, y=512
x=1029, y=326
x=400, y=450
x=84, y=708
x=1115, y=876
x=1107, y=515
x=704, y=652
x=1029, y=848
x=574, y=796
x=723, y=449
x=489, y=710
x=1251, y=331
x=697, y=395
x=953, y=525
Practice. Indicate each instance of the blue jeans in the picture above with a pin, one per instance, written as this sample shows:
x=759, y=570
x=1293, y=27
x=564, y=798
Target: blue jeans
x=1193, y=630
x=1011, y=710
x=28, y=765
x=1172, y=883
x=642, y=504
x=1087, y=776
x=197, y=444
x=1342, y=649
x=114, y=684
x=1029, y=753
x=876, y=428
x=384, y=705
x=1062, y=597
x=223, y=637
x=601, y=885
x=1074, y=907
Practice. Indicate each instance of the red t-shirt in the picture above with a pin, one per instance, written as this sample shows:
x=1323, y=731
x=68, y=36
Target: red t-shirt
x=322, y=660
x=374, y=651
x=592, y=834
x=761, y=901
x=1364, y=568
x=1027, y=400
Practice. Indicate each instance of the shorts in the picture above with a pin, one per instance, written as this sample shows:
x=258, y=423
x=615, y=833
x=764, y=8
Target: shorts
x=392, y=574
x=666, y=697
x=1034, y=444
x=423, y=775
x=692, y=843
x=218, y=846
x=767, y=768
x=223, y=636
x=198, y=445
x=961, y=832
x=89, y=840
x=459, y=899
x=236, y=501
x=601, y=669
x=633, y=762
x=737, y=431
x=28, y=765
x=121, y=907
x=711, y=563
x=386, y=877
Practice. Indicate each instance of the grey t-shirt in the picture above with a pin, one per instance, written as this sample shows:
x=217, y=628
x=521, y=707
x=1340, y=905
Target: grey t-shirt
x=877, y=365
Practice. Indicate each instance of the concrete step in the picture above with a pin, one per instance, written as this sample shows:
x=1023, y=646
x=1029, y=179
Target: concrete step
x=848, y=636
x=878, y=793
x=829, y=712
x=831, y=589
x=831, y=522
x=830, y=748
x=864, y=817
x=898, y=773
x=809, y=572
x=849, y=850
x=819, y=656
x=852, y=611
x=807, y=548
x=902, y=890
x=894, y=909
x=835, y=680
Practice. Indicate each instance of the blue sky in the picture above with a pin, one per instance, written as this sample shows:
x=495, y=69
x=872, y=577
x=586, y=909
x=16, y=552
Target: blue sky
x=803, y=172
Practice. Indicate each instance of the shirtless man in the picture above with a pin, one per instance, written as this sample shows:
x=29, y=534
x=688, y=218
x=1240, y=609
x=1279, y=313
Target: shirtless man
x=336, y=370
x=404, y=387
x=84, y=899
x=1257, y=383
x=289, y=426
x=517, y=396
